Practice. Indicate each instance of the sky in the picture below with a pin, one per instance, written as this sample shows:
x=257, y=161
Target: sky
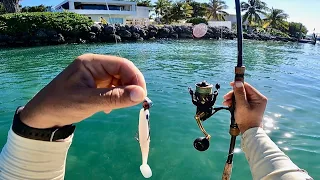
x=307, y=12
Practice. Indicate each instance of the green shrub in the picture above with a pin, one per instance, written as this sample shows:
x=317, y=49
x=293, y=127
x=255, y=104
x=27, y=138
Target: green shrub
x=195, y=21
x=275, y=32
x=62, y=22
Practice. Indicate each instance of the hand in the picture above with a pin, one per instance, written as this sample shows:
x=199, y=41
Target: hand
x=250, y=105
x=91, y=83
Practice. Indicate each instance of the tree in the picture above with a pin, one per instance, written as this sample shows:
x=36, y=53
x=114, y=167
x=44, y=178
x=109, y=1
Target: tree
x=40, y=8
x=215, y=10
x=11, y=6
x=146, y=3
x=277, y=20
x=162, y=7
x=294, y=29
x=254, y=9
x=178, y=11
x=199, y=9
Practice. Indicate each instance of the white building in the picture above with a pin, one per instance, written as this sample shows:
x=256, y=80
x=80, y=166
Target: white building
x=113, y=11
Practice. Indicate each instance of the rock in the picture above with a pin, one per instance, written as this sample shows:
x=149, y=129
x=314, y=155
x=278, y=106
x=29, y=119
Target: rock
x=127, y=27
x=247, y=36
x=124, y=34
x=40, y=34
x=143, y=33
x=82, y=41
x=152, y=27
x=177, y=29
x=96, y=28
x=122, y=28
x=170, y=28
x=109, y=29
x=140, y=39
x=135, y=36
x=152, y=33
x=264, y=37
x=114, y=38
x=186, y=29
x=92, y=37
x=134, y=29
x=35, y=41
x=174, y=36
x=58, y=39
x=51, y=33
x=117, y=27
x=163, y=32
x=4, y=38
x=185, y=36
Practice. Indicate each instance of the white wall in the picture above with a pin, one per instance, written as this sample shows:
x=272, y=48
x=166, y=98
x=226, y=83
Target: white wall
x=142, y=12
x=220, y=23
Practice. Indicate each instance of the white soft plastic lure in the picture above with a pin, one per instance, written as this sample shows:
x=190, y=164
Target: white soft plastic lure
x=144, y=137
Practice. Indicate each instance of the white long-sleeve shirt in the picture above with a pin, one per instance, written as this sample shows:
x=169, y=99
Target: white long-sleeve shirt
x=26, y=159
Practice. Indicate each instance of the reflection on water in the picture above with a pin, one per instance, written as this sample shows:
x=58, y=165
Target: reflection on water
x=104, y=145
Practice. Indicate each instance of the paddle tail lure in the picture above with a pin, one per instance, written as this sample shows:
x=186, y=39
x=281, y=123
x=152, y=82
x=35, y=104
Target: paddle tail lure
x=204, y=99
x=144, y=137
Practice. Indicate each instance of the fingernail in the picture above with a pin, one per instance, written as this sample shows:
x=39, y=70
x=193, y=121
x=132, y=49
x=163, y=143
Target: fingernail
x=137, y=94
x=239, y=84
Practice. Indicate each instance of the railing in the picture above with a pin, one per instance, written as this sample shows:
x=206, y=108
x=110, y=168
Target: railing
x=87, y=11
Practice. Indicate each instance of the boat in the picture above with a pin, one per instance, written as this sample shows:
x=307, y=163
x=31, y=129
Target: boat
x=308, y=41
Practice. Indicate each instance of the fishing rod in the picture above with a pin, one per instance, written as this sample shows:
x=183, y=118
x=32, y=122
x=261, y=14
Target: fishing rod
x=204, y=99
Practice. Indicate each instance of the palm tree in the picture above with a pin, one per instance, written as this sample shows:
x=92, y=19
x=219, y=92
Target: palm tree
x=216, y=9
x=178, y=11
x=199, y=9
x=162, y=7
x=11, y=6
x=277, y=20
x=254, y=9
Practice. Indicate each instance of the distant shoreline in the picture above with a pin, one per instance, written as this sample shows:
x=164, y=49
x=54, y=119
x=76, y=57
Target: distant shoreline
x=124, y=33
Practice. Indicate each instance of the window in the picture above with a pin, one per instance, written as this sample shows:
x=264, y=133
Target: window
x=98, y=7
x=115, y=20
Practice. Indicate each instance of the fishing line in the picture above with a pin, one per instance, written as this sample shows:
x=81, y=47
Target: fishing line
x=113, y=25
x=143, y=134
x=204, y=99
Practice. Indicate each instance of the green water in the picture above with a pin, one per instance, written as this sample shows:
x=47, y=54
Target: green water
x=104, y=146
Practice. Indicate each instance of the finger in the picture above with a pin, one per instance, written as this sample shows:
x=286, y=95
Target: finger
x=101, y=65
x=227, y=102
x=113, y=98
x=228, y=95
x=240, y=94
x=253, y=92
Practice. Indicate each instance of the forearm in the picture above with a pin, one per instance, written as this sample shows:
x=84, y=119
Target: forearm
x=27, y=159
x=266, y=160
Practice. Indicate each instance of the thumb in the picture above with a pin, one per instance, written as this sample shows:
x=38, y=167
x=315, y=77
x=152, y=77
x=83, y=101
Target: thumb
x=116, y=97
x=240, y=93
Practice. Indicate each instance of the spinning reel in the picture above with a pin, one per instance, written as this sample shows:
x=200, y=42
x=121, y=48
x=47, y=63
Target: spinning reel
x=204, y=99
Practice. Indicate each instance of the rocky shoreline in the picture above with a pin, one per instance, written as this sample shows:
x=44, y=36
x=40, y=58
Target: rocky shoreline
x=122, y=33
